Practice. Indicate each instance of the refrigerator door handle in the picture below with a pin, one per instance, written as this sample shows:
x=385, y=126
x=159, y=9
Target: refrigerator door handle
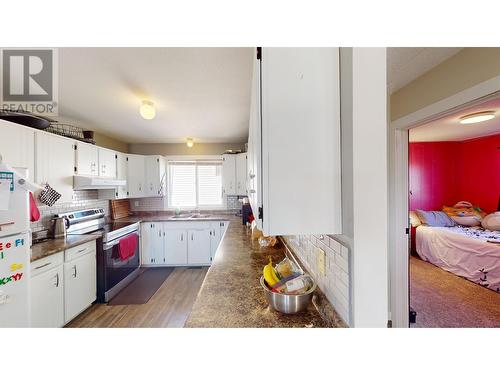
x=5, y=224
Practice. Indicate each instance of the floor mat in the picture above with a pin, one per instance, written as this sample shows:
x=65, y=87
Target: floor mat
x=141, y=290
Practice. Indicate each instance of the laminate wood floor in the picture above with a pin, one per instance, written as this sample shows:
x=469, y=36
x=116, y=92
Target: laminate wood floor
x=169, y=307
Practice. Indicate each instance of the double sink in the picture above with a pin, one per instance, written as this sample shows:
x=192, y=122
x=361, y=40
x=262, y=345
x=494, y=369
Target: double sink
x=189, y=216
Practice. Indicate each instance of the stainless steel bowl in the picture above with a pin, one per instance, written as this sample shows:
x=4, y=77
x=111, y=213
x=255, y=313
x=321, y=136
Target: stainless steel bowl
x=288, y=303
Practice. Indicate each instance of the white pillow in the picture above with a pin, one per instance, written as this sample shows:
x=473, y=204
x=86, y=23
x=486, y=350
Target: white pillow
x=466, y=221
x=492, y=221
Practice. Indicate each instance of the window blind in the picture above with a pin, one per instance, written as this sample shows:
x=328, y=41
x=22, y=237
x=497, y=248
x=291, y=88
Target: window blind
x=195, y=184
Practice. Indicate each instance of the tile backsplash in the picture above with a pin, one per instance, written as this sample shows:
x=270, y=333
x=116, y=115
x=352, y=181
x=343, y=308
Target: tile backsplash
x=335, y=283
x=161, y=203
x=82, y=199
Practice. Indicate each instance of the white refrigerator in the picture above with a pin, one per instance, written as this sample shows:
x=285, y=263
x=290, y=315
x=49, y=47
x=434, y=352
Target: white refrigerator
x=14, y=250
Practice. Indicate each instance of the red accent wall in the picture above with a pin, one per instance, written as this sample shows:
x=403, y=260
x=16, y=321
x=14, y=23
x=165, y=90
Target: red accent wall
x=432, y=175
x=443, y=173
x=480, y=172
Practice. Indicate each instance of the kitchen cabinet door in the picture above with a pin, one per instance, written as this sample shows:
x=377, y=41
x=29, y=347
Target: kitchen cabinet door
x=47, y=299
x=155, y=176
x=87, y=159
x=147, y=243
x=300, y=99
x=55, y=163
x=241, y=174
x=229, y=174
x=199, y=246
x=17, y=146
x=136, y=176
x=254, y=153
x=176, y=247
x=79, y=285
x=121, y=174
x=158, y=244
x=217, y=232
x=107, y=163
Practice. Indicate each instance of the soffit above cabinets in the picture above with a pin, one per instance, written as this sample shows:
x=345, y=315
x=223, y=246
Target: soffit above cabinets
x=197, y=92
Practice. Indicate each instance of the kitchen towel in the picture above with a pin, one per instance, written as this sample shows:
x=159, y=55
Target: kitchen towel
x=127, y=246
x=34, y=212
x=49, y=196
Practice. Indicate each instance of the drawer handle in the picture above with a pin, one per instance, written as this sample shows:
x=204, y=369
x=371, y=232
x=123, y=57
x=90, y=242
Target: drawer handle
x=43, y=265
x=82, y=250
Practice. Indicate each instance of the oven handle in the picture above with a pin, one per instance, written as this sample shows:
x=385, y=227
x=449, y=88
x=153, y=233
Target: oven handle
x=109, y=245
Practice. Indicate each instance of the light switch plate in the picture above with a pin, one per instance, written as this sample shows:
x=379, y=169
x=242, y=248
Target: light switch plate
x=136, y=203
x=321, y=260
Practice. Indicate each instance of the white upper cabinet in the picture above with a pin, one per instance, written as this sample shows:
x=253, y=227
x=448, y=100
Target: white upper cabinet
x=87, y=159
x=121, y=174
x=136, y=176
x=156, y=176
x=229, y=174
x=55, y=163
x=301, y=186
x=241, y=173
x=107, y=163
x=17, y=146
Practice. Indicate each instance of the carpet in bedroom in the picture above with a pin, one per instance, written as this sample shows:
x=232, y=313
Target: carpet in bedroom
x=442, y=299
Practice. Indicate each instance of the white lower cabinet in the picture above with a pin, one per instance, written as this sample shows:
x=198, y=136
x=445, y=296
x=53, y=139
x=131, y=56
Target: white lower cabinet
x=199, y=246
x=176, y=243
x=47, y=292
x=152, y=238
x=79, y=284
x=63, y=285
x=182, y=244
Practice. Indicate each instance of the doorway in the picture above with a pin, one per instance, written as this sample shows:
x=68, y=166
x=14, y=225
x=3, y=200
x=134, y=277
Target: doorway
x=454, y=186
x=399, y=224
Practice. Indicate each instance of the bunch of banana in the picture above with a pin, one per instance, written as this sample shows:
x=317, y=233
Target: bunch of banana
x=270, y=274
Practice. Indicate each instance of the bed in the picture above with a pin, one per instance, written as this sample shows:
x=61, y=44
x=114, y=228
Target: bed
x=464, y=251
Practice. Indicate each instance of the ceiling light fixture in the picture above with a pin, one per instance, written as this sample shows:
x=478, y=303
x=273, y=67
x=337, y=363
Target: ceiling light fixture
x=477, y=117
x=190, y=142
x=147, y=110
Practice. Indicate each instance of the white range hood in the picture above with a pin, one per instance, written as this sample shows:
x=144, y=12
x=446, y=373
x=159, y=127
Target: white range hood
x=90, y=183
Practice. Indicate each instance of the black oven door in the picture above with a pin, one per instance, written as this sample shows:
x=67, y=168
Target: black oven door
x=114, y=268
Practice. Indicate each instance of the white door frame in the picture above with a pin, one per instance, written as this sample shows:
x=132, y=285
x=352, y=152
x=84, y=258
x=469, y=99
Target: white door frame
x=398, y=180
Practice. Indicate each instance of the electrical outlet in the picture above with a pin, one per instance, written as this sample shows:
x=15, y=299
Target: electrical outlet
x=321, y=261
x=136, y=203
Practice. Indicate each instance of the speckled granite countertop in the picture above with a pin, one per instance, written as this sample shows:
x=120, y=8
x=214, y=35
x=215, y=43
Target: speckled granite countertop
x=162, y=216
x=231, y=295
x=53, y=246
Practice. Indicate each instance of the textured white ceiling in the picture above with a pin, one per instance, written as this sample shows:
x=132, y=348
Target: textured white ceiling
x=198, y=92
x=448, y=128
x=406, y=64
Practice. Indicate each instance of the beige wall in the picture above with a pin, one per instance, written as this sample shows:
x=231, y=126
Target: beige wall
x=182, y=149
x=108, y=142
x=461, y=71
